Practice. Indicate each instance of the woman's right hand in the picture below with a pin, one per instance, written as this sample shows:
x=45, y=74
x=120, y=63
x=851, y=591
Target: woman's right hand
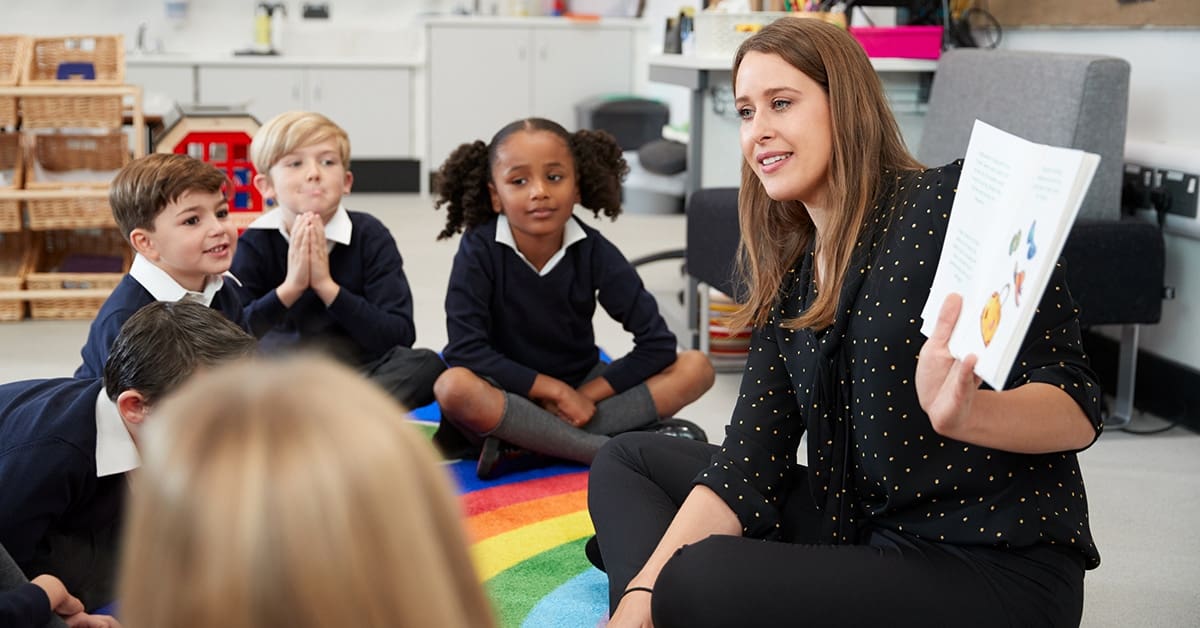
x=633, y=611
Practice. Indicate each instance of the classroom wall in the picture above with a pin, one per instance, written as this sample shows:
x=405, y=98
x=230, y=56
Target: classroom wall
x=220, y=25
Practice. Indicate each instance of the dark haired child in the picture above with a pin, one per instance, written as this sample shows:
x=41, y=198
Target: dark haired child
x=525, y=369
x=172, y=209
x=69, y=443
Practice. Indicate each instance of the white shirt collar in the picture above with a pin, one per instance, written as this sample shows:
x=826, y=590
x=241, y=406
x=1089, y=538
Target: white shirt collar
x=572, y=233
x=163, y=287
x=115, y=451
x=337, y=230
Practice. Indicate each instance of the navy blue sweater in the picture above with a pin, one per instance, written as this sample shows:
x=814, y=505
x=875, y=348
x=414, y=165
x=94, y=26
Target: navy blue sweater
x=48, y=465
x=128, y=297
x=22, y=603
x=506, y=322
x=372, y=313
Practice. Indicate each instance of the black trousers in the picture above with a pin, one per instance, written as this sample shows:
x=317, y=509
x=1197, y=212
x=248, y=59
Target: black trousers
x=407, y=374
x=639, y=480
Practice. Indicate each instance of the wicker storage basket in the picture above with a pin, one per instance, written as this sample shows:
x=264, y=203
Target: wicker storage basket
x=69, y=209
x=11, y=176
x=16, y=260
x=105, y=54
x=49, y=112
x=13, y=49
x=71, y=174
x=68, y=160
x=52, y=249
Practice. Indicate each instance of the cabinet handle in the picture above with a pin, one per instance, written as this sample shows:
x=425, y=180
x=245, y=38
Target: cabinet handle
x=296, y=93
x=542, y=53
x=522, y=52
x=317, y=93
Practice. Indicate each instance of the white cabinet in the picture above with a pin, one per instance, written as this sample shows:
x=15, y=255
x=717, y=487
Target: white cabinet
x=373, y=105
x=176, y=82
x=485, y=75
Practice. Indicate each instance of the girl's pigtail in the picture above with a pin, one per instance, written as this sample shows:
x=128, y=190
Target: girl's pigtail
x=601, y=169
x=461, y=184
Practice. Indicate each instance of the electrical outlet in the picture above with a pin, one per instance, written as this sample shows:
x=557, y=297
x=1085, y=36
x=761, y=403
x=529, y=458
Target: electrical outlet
x=1135, y=188
x=1180, y=187
x=315, y=11
x=1166, y=173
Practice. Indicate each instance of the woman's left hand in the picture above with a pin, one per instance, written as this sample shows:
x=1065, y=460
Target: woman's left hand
x=946, y=386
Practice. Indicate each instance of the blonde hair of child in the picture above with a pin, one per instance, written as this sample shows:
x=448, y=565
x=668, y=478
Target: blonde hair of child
x=292, y=130
x=293, y=494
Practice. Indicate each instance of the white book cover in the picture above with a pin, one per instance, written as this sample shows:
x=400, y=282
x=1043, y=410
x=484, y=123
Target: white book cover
x=1015, y=205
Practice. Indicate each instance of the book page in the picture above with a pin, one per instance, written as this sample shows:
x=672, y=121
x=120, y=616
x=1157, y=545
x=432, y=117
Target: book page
x=1016, y=202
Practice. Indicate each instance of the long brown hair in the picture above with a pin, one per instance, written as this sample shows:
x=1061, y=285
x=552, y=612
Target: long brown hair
x=866, y=144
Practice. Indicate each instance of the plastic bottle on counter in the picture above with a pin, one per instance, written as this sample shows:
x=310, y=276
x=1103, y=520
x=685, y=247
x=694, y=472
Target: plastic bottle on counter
x=687, y=41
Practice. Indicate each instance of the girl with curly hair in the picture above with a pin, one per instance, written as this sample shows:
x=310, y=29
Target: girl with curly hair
x=525, y=369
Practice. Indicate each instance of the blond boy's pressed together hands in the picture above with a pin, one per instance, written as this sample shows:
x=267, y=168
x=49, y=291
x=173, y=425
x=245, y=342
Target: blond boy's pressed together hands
x=308, y=262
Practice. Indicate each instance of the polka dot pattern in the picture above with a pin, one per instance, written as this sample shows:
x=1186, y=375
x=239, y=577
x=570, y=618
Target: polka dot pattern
x=873, y=457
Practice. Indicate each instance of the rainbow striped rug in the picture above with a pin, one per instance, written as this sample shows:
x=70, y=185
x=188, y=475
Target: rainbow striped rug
x=527, y=532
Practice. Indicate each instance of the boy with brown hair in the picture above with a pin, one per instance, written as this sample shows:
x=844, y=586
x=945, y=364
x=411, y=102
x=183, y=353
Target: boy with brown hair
x=320, y=276
x=174, y=212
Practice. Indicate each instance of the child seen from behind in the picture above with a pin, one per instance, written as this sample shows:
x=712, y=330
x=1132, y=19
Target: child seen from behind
x=320, y=276
x=266, y=501
x=525, y=369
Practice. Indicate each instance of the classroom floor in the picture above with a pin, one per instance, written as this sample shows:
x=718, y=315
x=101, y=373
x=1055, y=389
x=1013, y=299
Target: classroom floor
x=1142, y=489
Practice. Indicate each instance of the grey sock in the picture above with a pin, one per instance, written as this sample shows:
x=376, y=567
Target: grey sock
x=527, y=425
x=630, y=410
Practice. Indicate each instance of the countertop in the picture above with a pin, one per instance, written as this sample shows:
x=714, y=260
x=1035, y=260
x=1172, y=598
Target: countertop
x=285, y=60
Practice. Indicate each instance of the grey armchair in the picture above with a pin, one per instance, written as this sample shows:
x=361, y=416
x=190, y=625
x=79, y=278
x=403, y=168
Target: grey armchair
x=1114, y=267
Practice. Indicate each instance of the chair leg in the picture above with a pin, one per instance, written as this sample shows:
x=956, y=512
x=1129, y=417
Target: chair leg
x=1122, y=412
x=703, y=339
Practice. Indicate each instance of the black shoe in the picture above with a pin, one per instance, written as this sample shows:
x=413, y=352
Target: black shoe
x=592, y=550
x=679, y=428
x=489, y=455
x=497, y=458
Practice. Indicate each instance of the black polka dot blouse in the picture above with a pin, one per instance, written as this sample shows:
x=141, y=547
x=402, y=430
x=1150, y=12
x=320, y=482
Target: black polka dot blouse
x=873, y=457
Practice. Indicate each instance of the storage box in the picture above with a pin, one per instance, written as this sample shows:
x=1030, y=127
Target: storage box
x=16, y=260
x=75, y=59
x=73, y=111
x=13, y=50
x=11, y=177
x=69, y=209
x=60, y=160
x=55, y=251
x=905, y=42
x=720, y=34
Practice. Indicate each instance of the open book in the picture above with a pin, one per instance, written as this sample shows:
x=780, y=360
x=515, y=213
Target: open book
x=1015, y=204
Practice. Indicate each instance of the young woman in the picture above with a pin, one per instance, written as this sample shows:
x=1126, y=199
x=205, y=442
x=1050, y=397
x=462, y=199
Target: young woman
x=925, y=499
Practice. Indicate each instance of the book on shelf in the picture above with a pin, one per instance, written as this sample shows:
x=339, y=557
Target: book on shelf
x=1015, y=204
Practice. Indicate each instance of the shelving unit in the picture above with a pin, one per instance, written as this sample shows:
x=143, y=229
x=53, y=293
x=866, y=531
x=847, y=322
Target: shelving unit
x=84, y=287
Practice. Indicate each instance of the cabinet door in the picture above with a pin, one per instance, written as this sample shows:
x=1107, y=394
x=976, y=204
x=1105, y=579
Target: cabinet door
x=479, y=80
x=174, y=82
x=265, y=91
x=373, y=105
x=574, y=64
